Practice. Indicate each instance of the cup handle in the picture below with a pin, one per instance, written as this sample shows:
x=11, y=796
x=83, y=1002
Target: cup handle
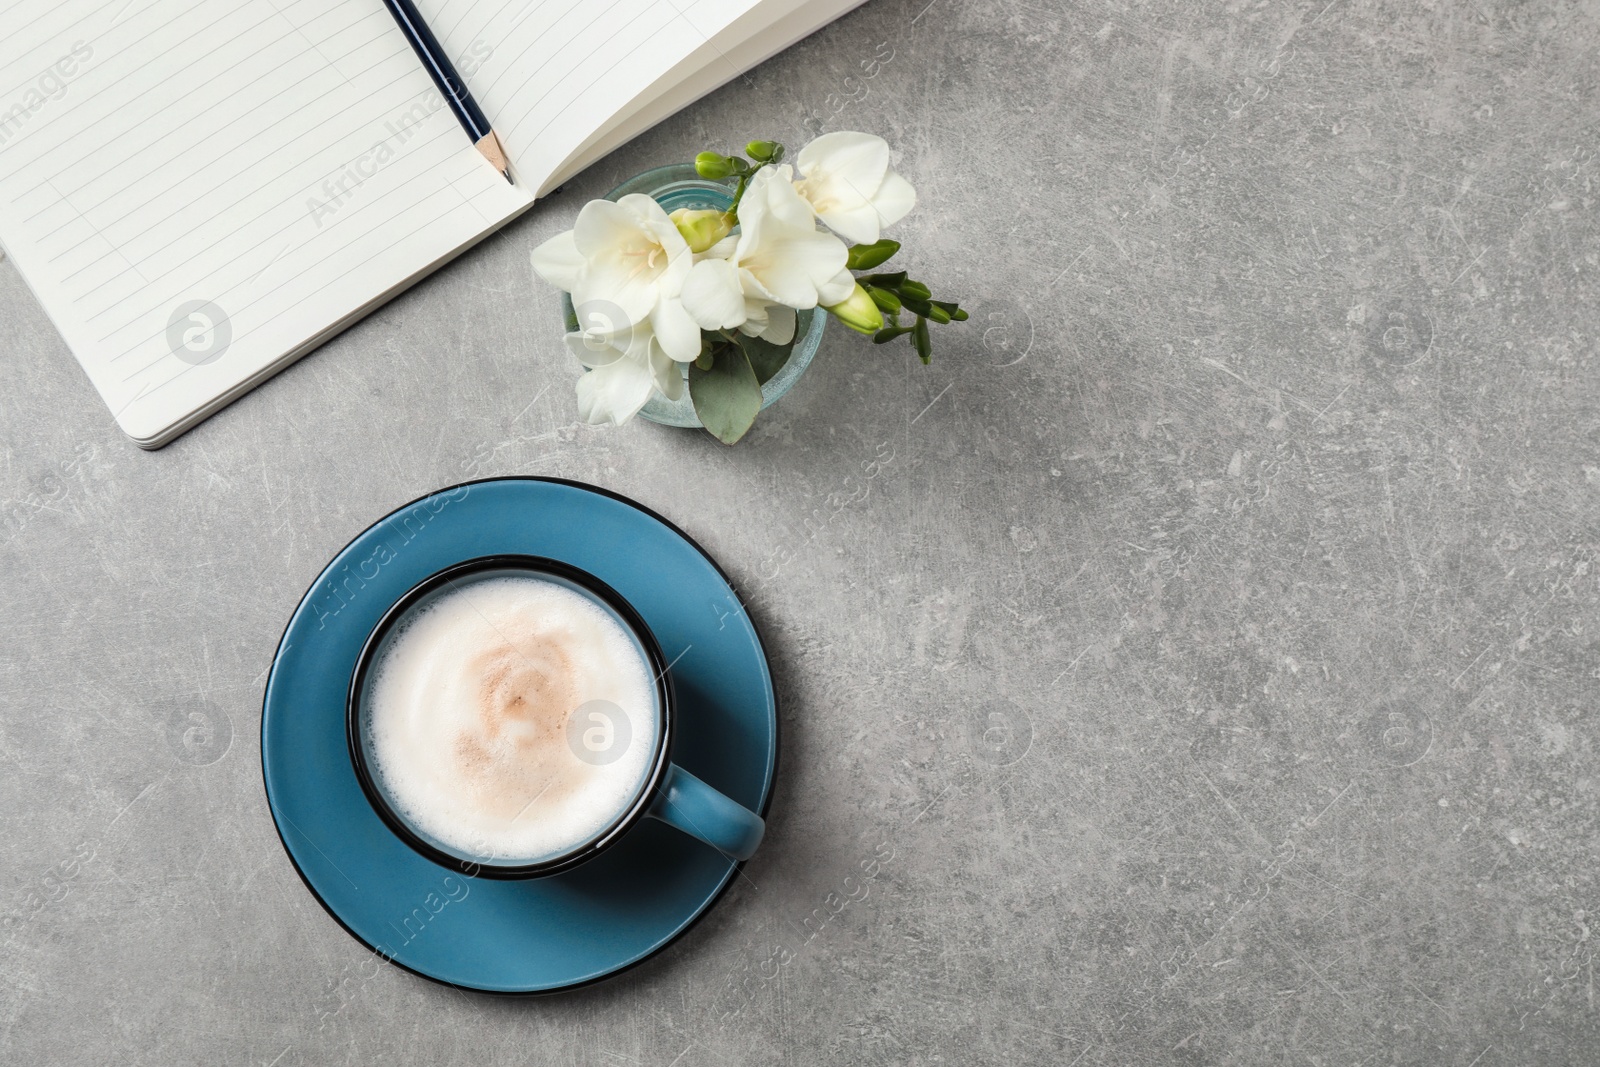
x=701, y=812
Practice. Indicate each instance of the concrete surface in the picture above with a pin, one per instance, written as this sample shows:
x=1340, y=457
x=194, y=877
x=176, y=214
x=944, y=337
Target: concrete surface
x=1213, y=652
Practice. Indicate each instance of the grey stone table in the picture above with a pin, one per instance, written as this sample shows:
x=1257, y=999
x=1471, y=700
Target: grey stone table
x=1210, y=659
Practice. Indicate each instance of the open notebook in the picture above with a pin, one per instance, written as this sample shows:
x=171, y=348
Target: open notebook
x=200, y=192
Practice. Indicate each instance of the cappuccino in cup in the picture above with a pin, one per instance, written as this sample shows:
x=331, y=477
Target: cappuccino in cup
x=510, y=717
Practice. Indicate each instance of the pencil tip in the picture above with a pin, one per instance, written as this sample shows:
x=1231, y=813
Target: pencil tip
x=492, y=150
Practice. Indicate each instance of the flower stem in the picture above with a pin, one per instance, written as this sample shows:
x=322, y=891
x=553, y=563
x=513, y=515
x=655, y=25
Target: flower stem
x=738, y=193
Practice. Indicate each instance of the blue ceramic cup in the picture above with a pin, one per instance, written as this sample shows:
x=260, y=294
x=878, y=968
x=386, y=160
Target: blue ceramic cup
x=666, y=791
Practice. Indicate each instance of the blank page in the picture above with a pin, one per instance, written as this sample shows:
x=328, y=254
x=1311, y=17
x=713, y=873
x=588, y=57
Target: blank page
x=770, y=27
x=555, y=72
x=199, y=190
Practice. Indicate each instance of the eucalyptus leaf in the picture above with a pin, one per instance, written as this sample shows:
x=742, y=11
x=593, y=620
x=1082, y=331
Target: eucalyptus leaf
x=727, y=398
x=766, y=358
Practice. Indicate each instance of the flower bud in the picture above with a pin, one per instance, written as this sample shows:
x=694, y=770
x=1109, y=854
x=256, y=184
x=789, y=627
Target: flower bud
x=702, y=228
x=858, y=311
x=865, y=257
x=713, y=166
x=884, y=298
x=764, y=151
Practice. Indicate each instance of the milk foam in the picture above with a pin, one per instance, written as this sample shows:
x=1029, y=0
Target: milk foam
x=467, y=714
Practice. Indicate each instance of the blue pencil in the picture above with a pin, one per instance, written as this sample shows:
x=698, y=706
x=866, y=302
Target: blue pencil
x=444, y=75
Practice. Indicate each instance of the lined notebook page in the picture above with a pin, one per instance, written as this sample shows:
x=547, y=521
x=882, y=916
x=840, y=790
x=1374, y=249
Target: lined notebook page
x=199, y=191
x=196, y=189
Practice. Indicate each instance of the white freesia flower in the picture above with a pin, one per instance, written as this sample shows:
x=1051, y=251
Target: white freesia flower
x=625, y=365
x=626, y=262
x=781, y=255
x=773, y=323
x=846, y=179
x=712, y=292
x=778, y=262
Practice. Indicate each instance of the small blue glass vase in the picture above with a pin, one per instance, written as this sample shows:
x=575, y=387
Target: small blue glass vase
x=679, y=186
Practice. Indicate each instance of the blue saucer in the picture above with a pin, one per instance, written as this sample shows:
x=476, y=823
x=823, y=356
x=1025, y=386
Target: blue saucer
x=545, y=934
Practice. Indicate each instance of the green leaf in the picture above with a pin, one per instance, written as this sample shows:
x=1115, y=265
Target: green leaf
x=938, y=314
x=727, y=398
x=865, y=257
x=920, y=340
x=889, y=333
x=914, y=290
x=766, y=358
x=886, y=281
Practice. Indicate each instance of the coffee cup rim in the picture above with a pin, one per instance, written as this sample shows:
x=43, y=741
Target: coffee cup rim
x=593, y=845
